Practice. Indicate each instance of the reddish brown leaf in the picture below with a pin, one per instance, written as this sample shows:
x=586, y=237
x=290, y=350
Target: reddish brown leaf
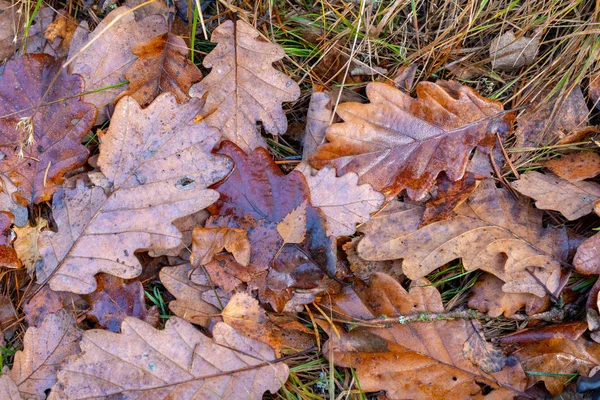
x=113, y=300
x=8, y=255
x=449, y=196
x=209, y=242
x=162, y=66
x=488, y=297
x=587, y=258
x=42, y=122
x=177, y=362
x=243, y=87
x=575, y=167
x=44, y=303
x=60, y=33
x=256, y=197
x=397, y=142
x=420, y=360
x=552, y=350
x=492, y=232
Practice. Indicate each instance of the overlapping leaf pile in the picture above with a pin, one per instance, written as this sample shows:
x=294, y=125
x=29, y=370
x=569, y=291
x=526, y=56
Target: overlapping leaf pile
x=400, y=188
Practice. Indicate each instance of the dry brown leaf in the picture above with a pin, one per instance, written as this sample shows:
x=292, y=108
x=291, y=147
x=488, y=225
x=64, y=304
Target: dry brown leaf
x=26, y=244
x=158, y=163
x=397, y=142
x=449, y=196
x=571, y=199
x=162, y=66
x=42, y=122
x=587, y=258
x=318, y=118
x=34, y=369
x=103, y=56
x=8, y=191
x=186, y=225
x=60, y=33
x=8, y=256
x=492, y=232
x=178, y=362
x=509, y=53
x=487, y=297
x=208, y=242
x=292, y=227
x=556, y=349
x=243, y=87
x=363, y=269
x=10, y=25
x=344, y=202
x=44, y=303
x=195, y=303
x=421, y=360
x=244, y=314
x=575, y=167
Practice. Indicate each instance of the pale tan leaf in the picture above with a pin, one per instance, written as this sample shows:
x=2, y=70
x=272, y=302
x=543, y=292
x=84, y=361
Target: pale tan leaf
x=509, y=53
x=178, y=362
x=208, y=242
x=492, y=232
x=571, y=199
x=26, y=244
x=8, y=388
x=292, y=227
x=318, y=118
x=195, y=303
x=34, y=369
x=186, y=225
x=344, y=202
x=158, y=163
x=243, y=87
x=103, y=56
x=575, y=167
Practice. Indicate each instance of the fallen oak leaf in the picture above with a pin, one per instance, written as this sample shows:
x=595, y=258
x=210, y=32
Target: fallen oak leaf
x=549, y=354
x=44, y=348
x=575, y=167
x=42, y=123
x=103, y=56
x=571, y=199
x=10, y=23
x=449, y=196
x=587, y=258
x=8, y=388
x=509, y=53
x=397, y=142
x=243, y=87
x=491, y=232
x=318, y=118
x=209, y=242
x=344, y=202
x=177, y=362
x=421, y=360
x=163, y=176
x=162, y=66
x=8, y=255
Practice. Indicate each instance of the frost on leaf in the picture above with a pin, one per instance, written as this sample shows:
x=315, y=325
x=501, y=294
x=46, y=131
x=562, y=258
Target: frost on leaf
x=491, y=232
x=158, y=165
x=420, y=360
x=243, y=87
x=42, y=122
x=178, y=362
x=398, y=142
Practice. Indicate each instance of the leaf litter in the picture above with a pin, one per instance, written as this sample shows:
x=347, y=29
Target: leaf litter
x=430, y=243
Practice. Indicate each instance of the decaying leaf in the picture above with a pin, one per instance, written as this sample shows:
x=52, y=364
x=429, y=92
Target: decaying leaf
x=487, y=296
x=208, y=242
x=34, y=369
x=363, y=269
x=509, y=53
x=587, y=258
x=162, y=66
x=8, y=388
x=571, y=199
x=10, y=25
x=8, y=256
x=244, y=314
x=318, y=118
x=178, y=362
x=575, y=167
x=186, y=225
x=8, y=191
x=449, y=196
x=158, y=164
x=113, y=300
x=42, y=122
x=422, y=360
x=60, y=33
x=255, y=197
x=243, y=87
x=103, y=56
x=553, y=352
x=397, y=142
x=195, y=302
x=344, y=202
x=492, y=232
x=45, y=302
x=26, y=244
